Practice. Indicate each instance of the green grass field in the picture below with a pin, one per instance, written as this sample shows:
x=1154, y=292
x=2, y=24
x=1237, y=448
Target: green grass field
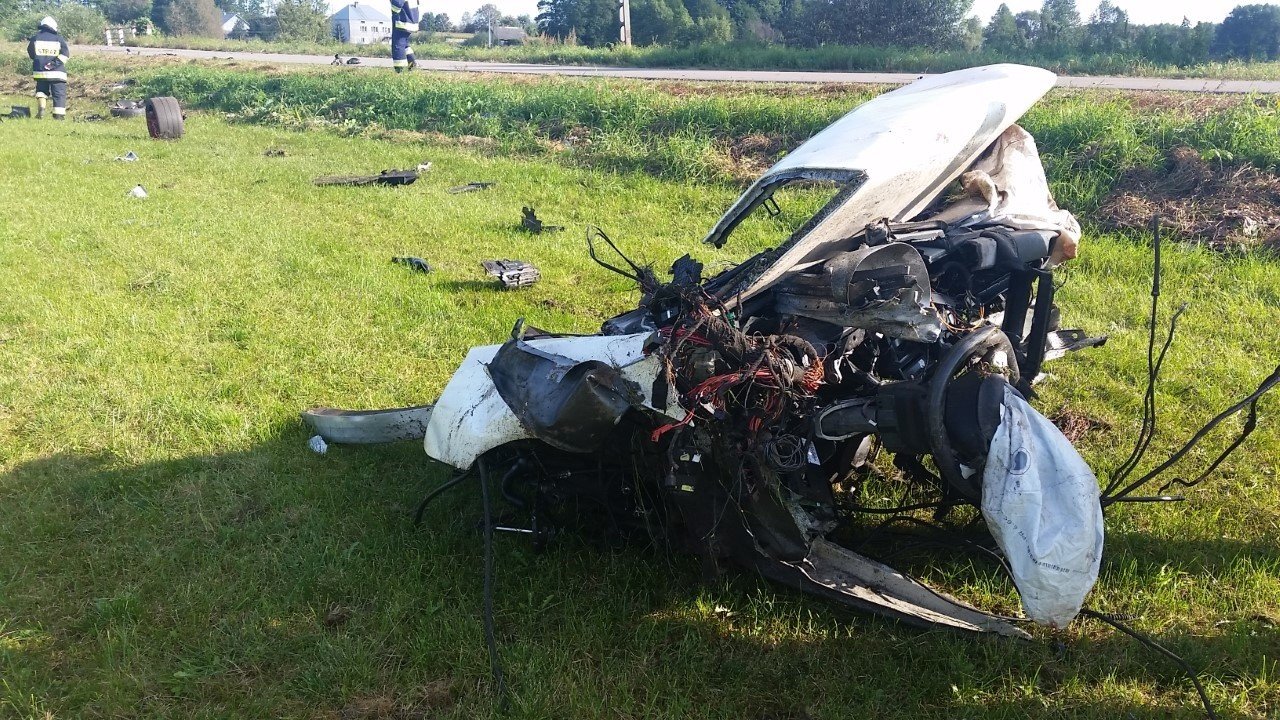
x=171, y=548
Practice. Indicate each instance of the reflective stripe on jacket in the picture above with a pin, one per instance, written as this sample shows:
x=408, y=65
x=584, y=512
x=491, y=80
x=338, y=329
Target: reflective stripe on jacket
x=48, y=52
x=404, y=15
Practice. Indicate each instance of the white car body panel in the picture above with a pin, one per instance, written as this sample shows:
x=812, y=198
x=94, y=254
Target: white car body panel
x=894, y=154
x=471, y=418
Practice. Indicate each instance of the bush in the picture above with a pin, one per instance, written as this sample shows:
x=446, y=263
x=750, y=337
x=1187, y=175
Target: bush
x=77, y=23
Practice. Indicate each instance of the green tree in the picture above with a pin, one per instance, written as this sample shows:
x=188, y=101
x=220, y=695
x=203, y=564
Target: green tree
x=124, y=11
x=302, y=20
x=192, y=17
x=592, y=22
x=1108, y=29
x=659, y=22
x=1002, y=33
x=913, y=23
x=435, y=22
x=1250, y=32
x=1059, y=26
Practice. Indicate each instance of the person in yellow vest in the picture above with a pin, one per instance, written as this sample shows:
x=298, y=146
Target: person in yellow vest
x=49, y=53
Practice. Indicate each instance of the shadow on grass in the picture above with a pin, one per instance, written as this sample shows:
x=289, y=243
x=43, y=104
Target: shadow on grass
x=271, y=581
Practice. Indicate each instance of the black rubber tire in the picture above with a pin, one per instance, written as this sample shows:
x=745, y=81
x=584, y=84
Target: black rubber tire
x=164, y=118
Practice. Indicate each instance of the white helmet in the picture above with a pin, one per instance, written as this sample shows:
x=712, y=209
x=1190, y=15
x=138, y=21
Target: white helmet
x=48, y=22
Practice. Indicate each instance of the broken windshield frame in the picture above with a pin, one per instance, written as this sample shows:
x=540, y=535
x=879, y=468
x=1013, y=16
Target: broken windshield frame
x=763, y=192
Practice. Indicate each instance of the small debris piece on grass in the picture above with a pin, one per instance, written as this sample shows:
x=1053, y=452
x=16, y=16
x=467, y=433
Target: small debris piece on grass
x=274, y=152
x=533, y=224
x=137, y=192
x=470, y=187
x=1075, y=425
x=91, y=117
x=1216, y=204
x=19, y=112
x=416, y=264
x=353, y=61
x=130, y=156
x=337, y=615
x=386, y=177
x=318, y=445
x=512, y=273
x=424, y=166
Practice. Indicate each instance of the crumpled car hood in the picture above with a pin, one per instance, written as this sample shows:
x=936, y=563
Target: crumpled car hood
x=893, y=155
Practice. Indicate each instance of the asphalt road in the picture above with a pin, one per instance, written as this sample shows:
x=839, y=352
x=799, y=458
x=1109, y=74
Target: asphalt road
x=770, y=76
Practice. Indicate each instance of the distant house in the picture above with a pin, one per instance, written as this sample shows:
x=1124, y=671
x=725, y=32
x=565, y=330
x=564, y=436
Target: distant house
x=360, y=24
x=507, y=35
x=233, y=25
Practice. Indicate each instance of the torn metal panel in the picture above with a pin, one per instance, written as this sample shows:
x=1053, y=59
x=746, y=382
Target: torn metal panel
x=365, y=427
x=471, y=418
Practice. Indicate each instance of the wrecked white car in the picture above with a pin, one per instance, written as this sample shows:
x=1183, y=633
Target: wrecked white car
x=894, y=337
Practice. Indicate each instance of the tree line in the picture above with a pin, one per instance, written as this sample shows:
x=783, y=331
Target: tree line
x=1056, y=31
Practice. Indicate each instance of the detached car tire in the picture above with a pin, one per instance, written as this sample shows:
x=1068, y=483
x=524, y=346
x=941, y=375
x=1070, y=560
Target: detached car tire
x=164, y=118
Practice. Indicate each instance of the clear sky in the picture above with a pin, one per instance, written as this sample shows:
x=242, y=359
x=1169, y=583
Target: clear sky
x=1140, y=11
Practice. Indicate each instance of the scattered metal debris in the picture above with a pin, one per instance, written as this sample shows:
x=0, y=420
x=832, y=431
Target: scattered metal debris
x=470, y=187
x=533, y=224
x=274, y=152
x=137, y=192
x=317, y=445
x=127, y=108
x=386, y=177
x=512, y=273
x=353, y=61
x=130, y=156
x=91, y=117
x=747, y=417
x=19, y=112
x=424, y=167
x=416, y=264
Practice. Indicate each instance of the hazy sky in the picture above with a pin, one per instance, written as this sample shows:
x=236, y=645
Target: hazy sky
x=1140, y=11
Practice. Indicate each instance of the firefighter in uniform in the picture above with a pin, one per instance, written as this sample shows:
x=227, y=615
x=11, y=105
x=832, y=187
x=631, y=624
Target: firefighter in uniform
x=49, y=53
x=404, y=19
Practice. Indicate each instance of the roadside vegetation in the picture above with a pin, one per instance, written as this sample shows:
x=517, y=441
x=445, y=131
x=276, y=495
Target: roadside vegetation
x=172, y=548
x=749, y=56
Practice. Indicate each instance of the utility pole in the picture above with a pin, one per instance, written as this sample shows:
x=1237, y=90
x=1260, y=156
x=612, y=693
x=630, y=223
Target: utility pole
x=624, y=22
x=490, y=22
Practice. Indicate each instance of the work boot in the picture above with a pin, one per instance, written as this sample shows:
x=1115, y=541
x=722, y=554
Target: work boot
x=413, y=62
x=39, y=113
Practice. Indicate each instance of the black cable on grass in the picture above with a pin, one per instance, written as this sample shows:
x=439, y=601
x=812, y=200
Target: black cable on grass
x=451, y=483
x=495, y=662
x=1147, y=431
x=1250, y=401
x=1162, y=650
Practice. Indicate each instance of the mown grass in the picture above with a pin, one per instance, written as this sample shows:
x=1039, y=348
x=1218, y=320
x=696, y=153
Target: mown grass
x=752, y=56
x=173, y=549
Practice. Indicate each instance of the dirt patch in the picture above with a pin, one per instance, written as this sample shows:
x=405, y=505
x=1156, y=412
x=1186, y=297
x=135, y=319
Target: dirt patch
x=752, y=154
x=1222, y=206
x=423, y=702
x=1075, y=425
